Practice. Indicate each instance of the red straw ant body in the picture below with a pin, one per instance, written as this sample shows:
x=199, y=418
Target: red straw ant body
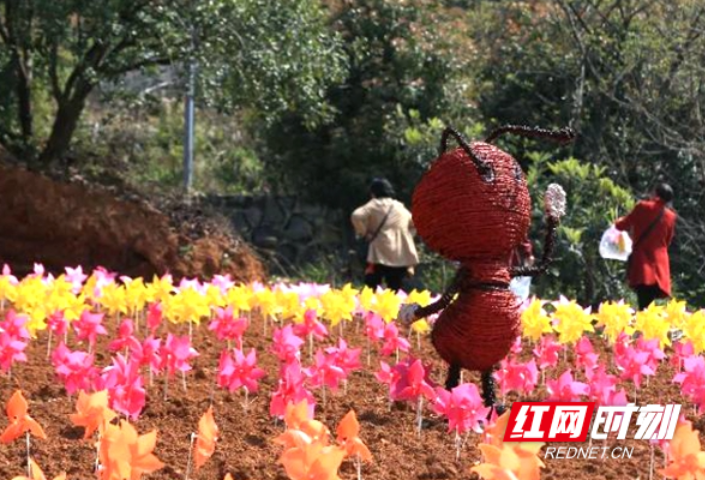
x=473, y=207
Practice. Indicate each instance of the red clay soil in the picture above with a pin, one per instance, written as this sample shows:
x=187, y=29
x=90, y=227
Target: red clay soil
x=63, y=223
x=247, y=450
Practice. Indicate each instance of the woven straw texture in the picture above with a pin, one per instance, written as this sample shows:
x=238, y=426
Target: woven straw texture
x=478, y=223
x=462, y=217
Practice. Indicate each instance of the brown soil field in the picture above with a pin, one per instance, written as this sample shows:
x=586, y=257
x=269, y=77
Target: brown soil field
x=246, y=448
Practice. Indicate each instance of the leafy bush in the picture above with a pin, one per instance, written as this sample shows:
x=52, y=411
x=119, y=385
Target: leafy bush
x=594, y=202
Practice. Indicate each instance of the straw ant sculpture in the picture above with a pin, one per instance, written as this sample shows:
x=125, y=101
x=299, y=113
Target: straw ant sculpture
x=473, y=207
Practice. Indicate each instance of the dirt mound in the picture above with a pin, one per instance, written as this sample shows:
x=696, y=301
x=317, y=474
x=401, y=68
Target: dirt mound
x=74, y=223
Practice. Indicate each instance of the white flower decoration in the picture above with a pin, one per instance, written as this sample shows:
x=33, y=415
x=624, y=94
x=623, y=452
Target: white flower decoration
x=407, y=313
x=554, y=201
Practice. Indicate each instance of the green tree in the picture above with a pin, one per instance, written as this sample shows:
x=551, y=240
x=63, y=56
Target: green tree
x=406, y=59
x=627, y=75
x=274, y=56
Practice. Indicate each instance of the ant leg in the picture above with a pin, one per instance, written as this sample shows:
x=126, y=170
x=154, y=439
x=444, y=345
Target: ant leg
x=488, y=392
x=453, y=378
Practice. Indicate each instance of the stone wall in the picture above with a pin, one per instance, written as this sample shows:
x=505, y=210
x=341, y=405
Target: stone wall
x=287, y=232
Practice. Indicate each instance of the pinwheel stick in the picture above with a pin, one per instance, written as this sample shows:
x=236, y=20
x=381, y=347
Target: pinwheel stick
x=651, y=462
x=369, y=353
x=96, y=463
x=29, y=461
x=189, y=462
x=458, y=445
x=49, y=345
x=310, y=346
x=419, y=414
x=358, y=466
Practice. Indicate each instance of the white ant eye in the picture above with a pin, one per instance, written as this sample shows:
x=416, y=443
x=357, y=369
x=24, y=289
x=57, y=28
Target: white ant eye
x=518, y=174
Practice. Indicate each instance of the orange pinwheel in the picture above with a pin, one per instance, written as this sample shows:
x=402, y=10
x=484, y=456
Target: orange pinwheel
x=508, y=462
x=496, y=435
x=299, y=424
x=205, y=441
x=348, y=431
x=37, y=473
x=687, y=461
x=503, y=461
x=93, y=412
x=125, y=454
x=20, y=421
x=313, y=461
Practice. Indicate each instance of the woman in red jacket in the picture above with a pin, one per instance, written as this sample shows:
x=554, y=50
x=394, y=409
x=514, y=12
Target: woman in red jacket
x=650, y=225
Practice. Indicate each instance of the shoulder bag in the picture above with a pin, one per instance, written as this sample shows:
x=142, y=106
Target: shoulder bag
x=363, y=245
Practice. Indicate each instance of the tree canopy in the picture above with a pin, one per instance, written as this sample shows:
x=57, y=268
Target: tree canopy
x=272, y=55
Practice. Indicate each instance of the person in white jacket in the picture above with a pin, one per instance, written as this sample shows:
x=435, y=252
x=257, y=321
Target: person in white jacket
x=387, y=225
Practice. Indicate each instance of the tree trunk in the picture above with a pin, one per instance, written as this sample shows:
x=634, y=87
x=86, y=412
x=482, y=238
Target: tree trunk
x=65, y=124
x=24, y=100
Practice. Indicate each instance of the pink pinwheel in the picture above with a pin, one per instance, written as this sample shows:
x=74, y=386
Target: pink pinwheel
x=681, y=351
x=346, y=358
x=286, y=346
x=414, y=384
x=125, y=387
x=692, y=381
x=325, y=372
x=103, y=279
x=192, y=283
x=89, y=326
x=11, y=351
x=227, y=327
x=290, y=389
x=463, y=407
x=148, y=353
x=75, y=369
x=547, y=352
x=565, y=389
x=39, y=270
x=75, y=277
x=393, y=343
x=239, y=371
x=603, y=387
x=176, y=354
x=311, y=327
x=374, y=327
x=154, y=316
x=414, y=381
x=585, y=356
x=655, y=354
x=621, y=344
x=223, y=282
x=633, y=364
x=518, y=377
x=126, y=338
x=57, y=324
x=517, y=346
x=14, y=325
x=7, y=272
x=387, y=376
